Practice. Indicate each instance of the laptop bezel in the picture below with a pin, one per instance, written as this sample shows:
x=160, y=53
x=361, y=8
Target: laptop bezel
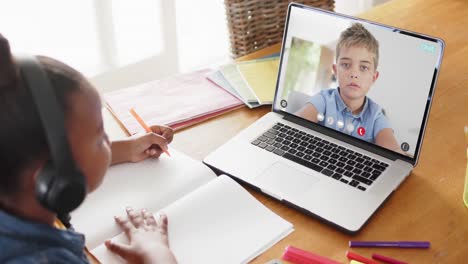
x=348, y=138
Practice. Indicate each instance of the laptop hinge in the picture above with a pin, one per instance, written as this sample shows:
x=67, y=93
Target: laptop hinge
x=348, y=139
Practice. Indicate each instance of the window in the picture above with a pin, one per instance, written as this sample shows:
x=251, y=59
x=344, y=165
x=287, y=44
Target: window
x=91, y=36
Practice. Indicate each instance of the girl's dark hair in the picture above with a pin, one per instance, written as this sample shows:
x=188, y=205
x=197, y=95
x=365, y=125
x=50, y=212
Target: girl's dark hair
x=22, y=138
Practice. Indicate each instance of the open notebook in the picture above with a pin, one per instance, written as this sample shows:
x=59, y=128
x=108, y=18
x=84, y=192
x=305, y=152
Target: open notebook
x=211, y=219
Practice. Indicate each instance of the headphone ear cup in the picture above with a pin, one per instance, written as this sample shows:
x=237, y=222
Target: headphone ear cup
x=67, y=193
x=60, y=194
x=43, y=183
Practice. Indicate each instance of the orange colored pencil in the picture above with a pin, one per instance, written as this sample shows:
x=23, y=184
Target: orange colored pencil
x=145, y=126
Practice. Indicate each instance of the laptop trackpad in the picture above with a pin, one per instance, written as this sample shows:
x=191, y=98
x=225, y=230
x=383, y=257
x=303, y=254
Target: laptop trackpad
x=285, y=181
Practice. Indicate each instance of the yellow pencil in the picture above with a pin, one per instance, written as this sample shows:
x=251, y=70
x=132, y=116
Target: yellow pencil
x=145, y=126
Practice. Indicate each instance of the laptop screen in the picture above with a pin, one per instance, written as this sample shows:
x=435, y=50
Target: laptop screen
x=368, y=81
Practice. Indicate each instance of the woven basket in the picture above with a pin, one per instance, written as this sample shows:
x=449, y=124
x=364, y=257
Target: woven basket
x=256, y=24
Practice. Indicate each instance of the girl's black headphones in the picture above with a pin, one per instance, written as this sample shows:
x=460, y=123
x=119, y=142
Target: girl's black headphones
x=60, y=186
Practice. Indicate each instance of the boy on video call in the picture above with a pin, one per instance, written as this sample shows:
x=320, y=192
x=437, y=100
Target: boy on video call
x=347, y=108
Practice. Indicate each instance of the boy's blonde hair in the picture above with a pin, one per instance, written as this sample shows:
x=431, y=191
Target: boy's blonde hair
x=358, y=35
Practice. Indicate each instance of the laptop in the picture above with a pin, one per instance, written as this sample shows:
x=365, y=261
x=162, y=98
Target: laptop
x=347, y=123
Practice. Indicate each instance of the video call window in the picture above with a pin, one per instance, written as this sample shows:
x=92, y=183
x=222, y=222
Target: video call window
x=365, y=81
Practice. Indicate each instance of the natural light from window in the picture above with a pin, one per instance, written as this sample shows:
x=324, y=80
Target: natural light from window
x=92, y=36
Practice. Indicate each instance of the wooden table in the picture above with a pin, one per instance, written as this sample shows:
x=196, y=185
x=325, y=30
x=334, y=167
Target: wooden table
x=428, y=205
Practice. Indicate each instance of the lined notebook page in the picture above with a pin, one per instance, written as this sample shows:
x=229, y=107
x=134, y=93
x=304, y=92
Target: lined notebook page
x=170, y=101
x=219, y=222
x=151, y=184
x=261, y=78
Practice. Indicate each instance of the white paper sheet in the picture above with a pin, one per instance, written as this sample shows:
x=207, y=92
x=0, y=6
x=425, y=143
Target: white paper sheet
x=217, y=223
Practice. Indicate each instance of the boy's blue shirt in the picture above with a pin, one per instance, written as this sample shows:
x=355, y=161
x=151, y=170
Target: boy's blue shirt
x=372, y=118
x=23, y=241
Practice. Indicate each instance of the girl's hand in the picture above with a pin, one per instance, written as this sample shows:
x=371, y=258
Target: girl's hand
x=150, y=144
x=139, y=147
x=148, y=239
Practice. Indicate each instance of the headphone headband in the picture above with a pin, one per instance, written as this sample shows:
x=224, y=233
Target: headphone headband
x=60, y=186
x=50, y=112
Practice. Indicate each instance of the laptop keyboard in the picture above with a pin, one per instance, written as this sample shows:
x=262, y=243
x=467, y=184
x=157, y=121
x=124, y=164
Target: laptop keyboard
x=342, y=164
